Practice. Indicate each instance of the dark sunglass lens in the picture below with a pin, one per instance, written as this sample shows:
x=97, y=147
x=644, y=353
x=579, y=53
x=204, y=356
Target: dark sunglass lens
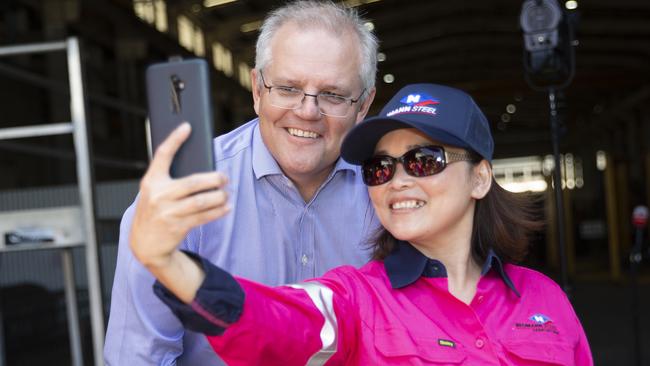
x=377, y=170
x=424, y=161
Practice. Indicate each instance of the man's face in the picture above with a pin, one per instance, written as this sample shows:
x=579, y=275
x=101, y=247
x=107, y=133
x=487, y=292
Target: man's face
x=304, y=142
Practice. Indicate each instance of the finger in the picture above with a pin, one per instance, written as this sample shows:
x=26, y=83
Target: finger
x=164, y=155
x=206, y=216
x=195, y=183
x=200, y=202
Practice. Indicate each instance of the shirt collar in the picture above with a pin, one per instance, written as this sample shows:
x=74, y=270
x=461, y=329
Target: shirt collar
x=405, y=264
x=264, y=163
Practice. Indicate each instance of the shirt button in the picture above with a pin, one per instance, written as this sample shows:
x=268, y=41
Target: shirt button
x=479, y=343
x=304, y=259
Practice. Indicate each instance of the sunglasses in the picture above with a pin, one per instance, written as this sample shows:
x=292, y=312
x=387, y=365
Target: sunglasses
x=422, y=161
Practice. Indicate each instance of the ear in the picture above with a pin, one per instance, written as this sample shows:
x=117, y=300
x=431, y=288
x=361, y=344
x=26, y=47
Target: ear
x=482, y=179
x=365, y=106
x=255, y=89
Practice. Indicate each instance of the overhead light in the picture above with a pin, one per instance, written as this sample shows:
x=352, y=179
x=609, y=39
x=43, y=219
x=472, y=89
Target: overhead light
x=369, y=26
x=211, y=3
x=601, y=160
x=250, y=26
x=571, y=4
x=389, y=78
x=511, y=108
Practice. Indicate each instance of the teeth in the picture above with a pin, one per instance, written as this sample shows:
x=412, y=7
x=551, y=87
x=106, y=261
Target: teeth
x=302, y=133
x=406, y=204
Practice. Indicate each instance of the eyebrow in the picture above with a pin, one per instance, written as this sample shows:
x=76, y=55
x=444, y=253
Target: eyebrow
x=297, y=83
x=337, y=89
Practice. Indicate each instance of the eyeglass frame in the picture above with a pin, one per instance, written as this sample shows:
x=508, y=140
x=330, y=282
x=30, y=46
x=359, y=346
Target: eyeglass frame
x=348, y=100
x=447, y=156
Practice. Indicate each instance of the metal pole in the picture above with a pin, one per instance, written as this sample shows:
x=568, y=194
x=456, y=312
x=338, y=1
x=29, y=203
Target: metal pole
x=32, y=48
x=84, y=177
x=613, y=230
x=33, y=131
x=557, y=180
x=71, y=307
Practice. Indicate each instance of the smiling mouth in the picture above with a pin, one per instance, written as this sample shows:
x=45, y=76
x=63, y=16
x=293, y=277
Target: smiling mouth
x=302, y=133
x=406, y=205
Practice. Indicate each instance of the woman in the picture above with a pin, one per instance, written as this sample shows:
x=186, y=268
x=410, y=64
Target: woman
x=440, y=290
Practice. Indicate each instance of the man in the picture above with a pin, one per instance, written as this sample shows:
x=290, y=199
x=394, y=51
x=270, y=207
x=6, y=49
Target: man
x=297, y=210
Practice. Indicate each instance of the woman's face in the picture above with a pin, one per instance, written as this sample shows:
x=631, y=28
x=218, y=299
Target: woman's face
x=422, y=210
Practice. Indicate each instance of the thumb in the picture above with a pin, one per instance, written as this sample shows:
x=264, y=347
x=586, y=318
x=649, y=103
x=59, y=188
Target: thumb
x=164, y=155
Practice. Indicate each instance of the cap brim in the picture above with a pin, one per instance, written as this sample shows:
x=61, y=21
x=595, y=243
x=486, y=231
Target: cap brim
x=360, y=142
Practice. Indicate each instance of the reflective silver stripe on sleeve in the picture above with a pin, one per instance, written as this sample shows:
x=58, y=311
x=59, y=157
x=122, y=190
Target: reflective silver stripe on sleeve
x=321, y=295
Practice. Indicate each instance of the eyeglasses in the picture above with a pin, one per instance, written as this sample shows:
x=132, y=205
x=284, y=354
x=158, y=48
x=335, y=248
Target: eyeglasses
x=329, y=104
x=422, y=161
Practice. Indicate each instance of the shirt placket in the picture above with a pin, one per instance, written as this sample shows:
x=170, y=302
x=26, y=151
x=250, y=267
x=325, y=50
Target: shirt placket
x=473, y=335
x=479, y=339
x=305, y=248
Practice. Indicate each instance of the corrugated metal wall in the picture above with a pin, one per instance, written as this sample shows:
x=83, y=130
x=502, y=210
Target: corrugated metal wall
x=43, y=267
x=112, y=198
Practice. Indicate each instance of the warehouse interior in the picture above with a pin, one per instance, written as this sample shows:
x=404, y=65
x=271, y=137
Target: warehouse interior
x=602, y=134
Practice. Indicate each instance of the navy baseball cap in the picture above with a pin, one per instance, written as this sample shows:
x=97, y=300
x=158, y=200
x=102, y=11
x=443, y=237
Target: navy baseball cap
x=444, y=114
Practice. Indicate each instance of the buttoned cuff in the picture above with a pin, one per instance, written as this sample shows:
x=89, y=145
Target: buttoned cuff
x=219, y=301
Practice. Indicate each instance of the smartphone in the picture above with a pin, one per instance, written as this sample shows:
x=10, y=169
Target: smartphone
x=179, y=91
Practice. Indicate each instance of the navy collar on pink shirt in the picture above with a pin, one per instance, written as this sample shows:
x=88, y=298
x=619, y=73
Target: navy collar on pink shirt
x=405, y=264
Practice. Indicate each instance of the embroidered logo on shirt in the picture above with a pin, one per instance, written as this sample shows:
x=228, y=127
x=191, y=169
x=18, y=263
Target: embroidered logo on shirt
x=538, y=323
x=446, y=343
x=540, y=318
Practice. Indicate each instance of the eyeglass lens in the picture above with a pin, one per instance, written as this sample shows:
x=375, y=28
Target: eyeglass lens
x=419, y=162
x=294, y=98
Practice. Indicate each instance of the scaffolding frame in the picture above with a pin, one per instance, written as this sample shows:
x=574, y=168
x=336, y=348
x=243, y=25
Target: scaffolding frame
x=77, y=127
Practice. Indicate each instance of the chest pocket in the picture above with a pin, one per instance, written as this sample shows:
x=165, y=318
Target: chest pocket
x=540, y=353
x=412, y=348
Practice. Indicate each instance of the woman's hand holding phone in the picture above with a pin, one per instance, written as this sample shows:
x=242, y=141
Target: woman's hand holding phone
x=167, y=209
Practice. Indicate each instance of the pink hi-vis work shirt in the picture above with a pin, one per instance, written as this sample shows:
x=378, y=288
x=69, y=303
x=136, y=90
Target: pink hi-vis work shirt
x=393, y=312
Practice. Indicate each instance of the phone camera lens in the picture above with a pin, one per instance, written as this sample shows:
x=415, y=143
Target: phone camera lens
x=178, y=83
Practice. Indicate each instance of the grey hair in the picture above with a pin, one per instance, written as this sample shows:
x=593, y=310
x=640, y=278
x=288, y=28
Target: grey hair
x=326, y=15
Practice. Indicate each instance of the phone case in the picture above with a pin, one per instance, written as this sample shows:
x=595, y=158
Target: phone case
x=179, y=91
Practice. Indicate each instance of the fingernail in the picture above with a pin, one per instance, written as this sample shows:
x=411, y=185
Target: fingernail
x=185, y=126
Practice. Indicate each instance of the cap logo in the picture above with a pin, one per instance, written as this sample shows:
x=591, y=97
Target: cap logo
x=416, y=103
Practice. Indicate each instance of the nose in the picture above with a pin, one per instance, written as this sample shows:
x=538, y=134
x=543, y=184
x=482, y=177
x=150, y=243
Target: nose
x=309, y=109
x=401, y=179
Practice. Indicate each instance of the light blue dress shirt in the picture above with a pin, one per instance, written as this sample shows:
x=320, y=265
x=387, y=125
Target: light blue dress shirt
x=271, y=236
